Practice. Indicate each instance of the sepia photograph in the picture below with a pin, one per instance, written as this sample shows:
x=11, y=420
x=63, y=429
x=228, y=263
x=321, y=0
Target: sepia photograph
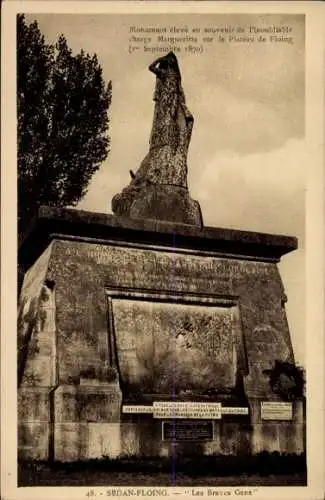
x=161, y=216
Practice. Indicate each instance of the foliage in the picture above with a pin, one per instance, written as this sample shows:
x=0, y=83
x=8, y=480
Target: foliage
x=63, y=104
x=287, y=380
x=262, y=469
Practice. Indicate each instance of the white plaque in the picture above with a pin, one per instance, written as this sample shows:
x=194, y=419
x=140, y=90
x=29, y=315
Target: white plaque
x=136, y=409
x=234, y=410
x=185, y=410
x=274, y=410
x=170, y=409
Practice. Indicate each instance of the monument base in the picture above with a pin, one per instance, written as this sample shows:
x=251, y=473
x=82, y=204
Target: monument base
x=116, y=312
x=80, y=423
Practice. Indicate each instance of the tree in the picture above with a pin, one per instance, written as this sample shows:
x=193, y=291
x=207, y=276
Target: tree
x=63, y=104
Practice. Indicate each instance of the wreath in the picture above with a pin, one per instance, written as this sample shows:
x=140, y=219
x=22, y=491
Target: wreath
x=286, y=380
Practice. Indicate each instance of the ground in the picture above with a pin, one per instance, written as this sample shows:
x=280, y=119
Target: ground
x=262, y=470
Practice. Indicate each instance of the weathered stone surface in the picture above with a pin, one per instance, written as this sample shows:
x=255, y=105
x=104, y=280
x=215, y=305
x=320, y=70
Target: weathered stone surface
x=81, y=305
x=124, y=308
x=258, y=285
x=282, y=436
x=33, y=440
x=98, y=403
x=36, y=332
x=33, y=404
x=170, y=348
x=71, y=441
x=104, y=440
x=164, y=202
x=36, y=326
x=79, y=224
x=143, y=438
x=158, y=190
x=231, y=438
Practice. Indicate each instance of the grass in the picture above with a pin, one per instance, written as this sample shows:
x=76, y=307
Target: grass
x=222, y=470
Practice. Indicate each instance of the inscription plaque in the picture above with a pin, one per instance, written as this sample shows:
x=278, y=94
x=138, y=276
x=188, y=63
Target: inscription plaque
x=186, y=410
x=137, y=409
x=184, y=430
x=234, y=410
x=276, y=410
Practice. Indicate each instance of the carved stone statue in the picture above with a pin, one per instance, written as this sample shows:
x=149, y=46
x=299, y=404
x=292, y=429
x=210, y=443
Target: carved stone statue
x=171, y=128
x=159, y=187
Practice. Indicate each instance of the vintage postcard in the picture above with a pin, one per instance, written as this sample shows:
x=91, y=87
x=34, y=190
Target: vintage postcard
x=162, y=250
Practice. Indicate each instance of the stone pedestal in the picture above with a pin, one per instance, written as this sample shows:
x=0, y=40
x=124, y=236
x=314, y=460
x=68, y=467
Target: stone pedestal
x=165, y=202
x=117, y=312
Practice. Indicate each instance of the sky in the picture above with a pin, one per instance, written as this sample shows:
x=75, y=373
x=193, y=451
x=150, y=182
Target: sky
x=248, y=153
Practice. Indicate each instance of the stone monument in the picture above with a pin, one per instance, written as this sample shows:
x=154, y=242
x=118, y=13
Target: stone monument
x=159, y=190
x=144, y=333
